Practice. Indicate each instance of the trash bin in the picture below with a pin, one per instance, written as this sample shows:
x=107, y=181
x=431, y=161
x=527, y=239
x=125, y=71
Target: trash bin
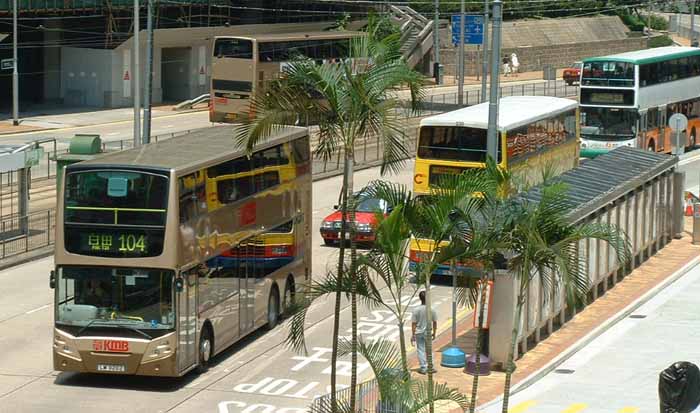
x=679, y=388
x=549, y=72
x=82, y=148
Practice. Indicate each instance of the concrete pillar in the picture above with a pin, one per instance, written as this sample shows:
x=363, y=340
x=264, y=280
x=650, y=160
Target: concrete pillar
x=505, y=294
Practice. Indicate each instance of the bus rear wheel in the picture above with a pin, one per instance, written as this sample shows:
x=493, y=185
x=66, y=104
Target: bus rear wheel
x=273, y=309
x=288, y=301
x=205, y=349
x=651, y=147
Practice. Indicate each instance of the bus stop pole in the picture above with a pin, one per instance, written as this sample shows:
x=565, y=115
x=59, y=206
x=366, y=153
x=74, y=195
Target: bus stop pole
x=492, y=136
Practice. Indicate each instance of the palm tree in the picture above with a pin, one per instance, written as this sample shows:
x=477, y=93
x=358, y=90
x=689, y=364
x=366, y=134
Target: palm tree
x=544, y=244
x=351, y=100
x=443, y=222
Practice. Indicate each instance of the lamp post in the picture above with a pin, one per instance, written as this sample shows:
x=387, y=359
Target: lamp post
x=492, y=136
x=15, y=74
x=485, y=62
x=436, y=43
x=137, y=78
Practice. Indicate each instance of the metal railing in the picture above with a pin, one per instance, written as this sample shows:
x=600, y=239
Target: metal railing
x=367, y=399
x=19, y=235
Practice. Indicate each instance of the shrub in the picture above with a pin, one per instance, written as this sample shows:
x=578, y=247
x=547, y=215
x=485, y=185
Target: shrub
x=660, y=41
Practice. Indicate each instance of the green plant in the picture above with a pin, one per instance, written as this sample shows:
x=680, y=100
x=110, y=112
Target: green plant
x=632, y=22
x=350, y=100
x=656, y=22
x=660, y=41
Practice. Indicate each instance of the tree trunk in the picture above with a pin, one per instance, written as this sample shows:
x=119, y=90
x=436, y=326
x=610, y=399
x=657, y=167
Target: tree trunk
x=350, y=160
x=429, y=337
x=510, y=364
x=479, y=332
x=338, y=293
x=402, y=345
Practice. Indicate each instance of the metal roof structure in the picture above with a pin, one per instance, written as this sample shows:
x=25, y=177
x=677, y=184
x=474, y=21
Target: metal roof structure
x=513, y=112
x=604, y=179
x=657, y=54
x=187, y=152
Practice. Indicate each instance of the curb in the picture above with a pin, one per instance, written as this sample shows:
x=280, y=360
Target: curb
x=585, y=340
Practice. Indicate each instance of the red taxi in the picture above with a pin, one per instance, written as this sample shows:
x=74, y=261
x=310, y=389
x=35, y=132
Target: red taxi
x=365, y=222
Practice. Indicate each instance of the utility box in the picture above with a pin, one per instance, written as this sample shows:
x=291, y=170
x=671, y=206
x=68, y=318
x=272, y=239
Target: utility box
x=549, y=72
x=81, y=148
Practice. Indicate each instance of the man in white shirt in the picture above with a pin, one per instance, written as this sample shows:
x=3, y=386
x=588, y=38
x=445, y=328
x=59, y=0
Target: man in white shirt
x=419, y=327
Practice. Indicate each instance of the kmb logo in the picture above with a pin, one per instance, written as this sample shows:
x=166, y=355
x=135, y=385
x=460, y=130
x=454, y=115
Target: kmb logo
x=114, y=346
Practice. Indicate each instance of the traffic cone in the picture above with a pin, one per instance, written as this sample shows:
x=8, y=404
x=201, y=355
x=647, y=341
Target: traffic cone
x=688, y=208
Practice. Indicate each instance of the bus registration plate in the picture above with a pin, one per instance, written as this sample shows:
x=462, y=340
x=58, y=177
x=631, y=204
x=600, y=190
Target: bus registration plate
x=112, y=368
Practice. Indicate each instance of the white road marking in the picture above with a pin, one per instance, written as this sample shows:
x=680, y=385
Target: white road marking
x=38, y=309
x=113, y=133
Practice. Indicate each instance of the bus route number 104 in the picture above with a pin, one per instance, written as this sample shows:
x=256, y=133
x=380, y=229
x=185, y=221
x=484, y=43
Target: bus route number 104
x=125, y=242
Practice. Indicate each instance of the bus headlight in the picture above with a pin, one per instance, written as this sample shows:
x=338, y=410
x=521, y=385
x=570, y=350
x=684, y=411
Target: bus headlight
x=159, y=350
x=65, y=348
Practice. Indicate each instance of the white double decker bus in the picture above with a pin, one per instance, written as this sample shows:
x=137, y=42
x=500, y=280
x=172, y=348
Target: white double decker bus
x=626, y=99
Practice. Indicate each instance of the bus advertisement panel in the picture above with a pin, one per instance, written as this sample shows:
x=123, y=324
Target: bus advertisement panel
x=536, y=133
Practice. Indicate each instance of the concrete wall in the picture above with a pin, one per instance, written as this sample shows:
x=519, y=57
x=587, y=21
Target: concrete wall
x=534, y=58
x=98, y=78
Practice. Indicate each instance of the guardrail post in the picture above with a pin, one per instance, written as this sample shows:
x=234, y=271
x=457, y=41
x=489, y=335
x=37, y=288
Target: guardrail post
x=3, y=239
x=48, y=227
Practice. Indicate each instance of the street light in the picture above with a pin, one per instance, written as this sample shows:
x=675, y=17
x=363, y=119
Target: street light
x=137, y=80
x=15, y=74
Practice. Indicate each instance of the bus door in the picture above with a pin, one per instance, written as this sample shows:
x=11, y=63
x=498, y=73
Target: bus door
x=187, y=320
x=661, y=141
x=247, y=288
x=642, y=123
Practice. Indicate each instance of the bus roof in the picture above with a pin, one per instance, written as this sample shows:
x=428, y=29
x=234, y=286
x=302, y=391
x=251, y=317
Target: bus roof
x=276, y=37
x=640, y=57
x=513, y=112
x=188, y=152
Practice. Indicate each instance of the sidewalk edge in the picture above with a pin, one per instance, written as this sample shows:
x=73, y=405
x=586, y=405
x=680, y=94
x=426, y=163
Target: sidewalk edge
x=585, y=340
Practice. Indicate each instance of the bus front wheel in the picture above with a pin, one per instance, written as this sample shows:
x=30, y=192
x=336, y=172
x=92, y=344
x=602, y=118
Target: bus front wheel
x=205, y=349
x=273, y=309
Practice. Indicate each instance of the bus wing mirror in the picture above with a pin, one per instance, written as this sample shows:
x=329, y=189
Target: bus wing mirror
x=179, y=284
x=335, y=206
x=52, y=279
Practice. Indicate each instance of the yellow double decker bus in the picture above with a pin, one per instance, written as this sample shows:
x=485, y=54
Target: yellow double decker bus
x=535, y=132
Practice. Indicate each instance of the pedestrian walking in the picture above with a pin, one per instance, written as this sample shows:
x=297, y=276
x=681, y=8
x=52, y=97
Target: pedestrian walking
x=514, y=64
x=419, y=327
x=506, y=66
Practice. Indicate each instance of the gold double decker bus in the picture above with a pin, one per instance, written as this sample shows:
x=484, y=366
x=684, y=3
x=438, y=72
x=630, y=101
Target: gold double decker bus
x=534, y=132
x=159, y=267
x=240, y=65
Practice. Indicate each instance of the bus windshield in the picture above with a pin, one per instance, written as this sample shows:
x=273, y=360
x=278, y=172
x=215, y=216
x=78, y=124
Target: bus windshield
x=115, y=297
x=233, y=48
x=115, y=197
x=607, y=74
x=451, y=143
x=608, y=123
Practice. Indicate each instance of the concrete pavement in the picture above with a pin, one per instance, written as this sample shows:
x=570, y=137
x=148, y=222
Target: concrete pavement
x=618, y=371
x=257, y=375
x=579, y=334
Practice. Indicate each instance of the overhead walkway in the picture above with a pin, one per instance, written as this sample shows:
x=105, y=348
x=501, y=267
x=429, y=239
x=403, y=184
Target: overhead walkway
x=416, y=33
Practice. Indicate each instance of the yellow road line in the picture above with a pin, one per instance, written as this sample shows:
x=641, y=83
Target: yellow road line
x=628, y=410
x=575, y=408
x=522, y=407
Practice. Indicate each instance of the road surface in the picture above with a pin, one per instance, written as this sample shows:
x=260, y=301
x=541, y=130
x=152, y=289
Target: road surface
x=258, y=375
x=618, y=372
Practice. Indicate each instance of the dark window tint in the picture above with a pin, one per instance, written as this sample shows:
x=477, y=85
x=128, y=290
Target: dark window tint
x=321, y=49
x=274, y=156
x=192, y=195
x=608, y=123
x=232, y=190
x=675, y=69
x=608, y=74
x=116, y=197
x=233, y=48
x=453, y=143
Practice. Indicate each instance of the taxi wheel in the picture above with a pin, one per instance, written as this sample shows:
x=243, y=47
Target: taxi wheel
x=328, y=242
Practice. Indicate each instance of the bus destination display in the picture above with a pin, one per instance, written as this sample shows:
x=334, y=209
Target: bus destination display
x=117, y=243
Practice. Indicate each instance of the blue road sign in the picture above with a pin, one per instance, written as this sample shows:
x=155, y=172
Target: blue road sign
x=473, y=29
